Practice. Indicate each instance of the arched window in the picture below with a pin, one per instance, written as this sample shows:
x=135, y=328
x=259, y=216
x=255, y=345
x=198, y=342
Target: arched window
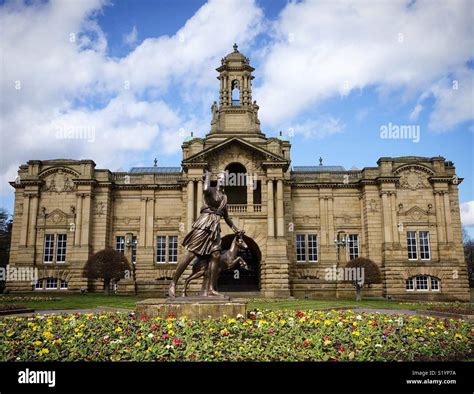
x=51, y=284
x=422, y=283
x=235, y=93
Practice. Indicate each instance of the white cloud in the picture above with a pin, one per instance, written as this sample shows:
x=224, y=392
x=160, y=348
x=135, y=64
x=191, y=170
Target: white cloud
x=131, y=38
x=467, y=213
x=58, y=53
x=317, y=128
x=416, y=112
x=325, y=49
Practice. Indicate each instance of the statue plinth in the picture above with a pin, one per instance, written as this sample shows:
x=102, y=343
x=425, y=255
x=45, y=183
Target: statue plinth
x=194, y=308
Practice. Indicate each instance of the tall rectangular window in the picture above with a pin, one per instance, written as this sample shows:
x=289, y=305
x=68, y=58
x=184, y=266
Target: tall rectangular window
x=172, y=249
x=424, y=245
x=61, y=246
x=120, y=244
x=353, y=246
x=134, y=249
x=51, y=283
x=48, y=248
x=161, y=249
x=410, y=285
x=300, y=248
x=312, y=247
x=411, y=245
x=422, y=283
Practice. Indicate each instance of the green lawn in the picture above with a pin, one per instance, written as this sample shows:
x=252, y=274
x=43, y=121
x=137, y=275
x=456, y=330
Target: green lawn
x=90, y=301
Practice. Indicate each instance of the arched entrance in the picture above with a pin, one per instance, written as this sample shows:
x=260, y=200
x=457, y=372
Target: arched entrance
x=239, y=279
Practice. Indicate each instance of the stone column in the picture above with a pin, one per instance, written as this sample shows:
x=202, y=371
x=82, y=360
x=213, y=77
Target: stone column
x=25, y=220
x=34, y=201
x=279, y=210
x=77, y=234
x=324, y=220
x=447, y=218
x=250, y=181
x=142, y=237
x=393, y=200
x=387, y=228
x=330, y=219
x=150, y=211
x=199, y=198
x=86, y=215
x=439, y=218
x=270, y=213
x=190, y=210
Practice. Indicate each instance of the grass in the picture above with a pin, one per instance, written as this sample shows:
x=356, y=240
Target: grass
x=91, y=301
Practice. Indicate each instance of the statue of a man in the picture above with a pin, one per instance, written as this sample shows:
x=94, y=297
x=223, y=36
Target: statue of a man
x=204, y=239
x=214, y=111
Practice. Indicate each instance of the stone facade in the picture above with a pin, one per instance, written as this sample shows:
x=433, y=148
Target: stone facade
x=374, y=210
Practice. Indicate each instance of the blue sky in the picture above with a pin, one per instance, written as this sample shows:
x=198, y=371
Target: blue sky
x=141, y=75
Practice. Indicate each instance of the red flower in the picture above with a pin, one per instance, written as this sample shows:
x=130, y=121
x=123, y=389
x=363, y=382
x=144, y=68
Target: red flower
x=165, y=336
x=271, y=331
x=373, y=324
x=327, y=338
x=299, y=314
x=342, y=349
x=173, y=315
x=154, y=327
x=177, y=341
x=306, y=343
x=143, y=318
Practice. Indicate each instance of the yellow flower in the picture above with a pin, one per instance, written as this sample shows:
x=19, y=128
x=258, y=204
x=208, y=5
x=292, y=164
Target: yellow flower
x=230, y=321
x=457, y=336
x=169, y=325
x=327, y=322
x=354, y=324
x=356, y=333
x=43, y=351
x=37, y=343
x=282, y=322
x=171, y=332
x=118, y=329
x=361, y=343
x=432, y=333
x=102, y=317
x=48, y=335
x=10, y=333
x=327, y=342
x=56, y=341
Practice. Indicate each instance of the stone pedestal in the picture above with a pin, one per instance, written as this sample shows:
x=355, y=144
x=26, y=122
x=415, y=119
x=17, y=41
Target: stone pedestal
x=194, y=308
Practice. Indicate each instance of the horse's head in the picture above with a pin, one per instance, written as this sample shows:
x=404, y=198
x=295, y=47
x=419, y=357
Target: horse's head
x=239, y=241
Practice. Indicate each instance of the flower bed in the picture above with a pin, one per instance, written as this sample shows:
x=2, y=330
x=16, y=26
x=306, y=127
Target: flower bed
x=261, y=336
x=26, y=299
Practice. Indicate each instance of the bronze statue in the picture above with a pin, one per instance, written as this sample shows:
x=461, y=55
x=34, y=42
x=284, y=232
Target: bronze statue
x=204, y=239
x=228, y=260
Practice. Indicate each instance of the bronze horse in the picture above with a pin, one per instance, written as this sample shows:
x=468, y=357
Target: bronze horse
x=228, y=260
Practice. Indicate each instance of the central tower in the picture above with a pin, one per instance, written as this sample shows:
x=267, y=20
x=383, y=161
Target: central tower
x=236, y=114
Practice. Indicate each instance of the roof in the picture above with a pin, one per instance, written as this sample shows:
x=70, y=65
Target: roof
x=154, y=170
x=318, y=168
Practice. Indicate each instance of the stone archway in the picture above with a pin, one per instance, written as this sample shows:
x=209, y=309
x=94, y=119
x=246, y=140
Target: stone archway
x=237, y=280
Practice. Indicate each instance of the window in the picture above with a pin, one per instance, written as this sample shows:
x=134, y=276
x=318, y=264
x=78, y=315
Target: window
x=161, y=249
x=424, y=245
x=51, y=283
x=120, y=244
x=63, y=285
x=306, y=248
x=411, y=245
x=61, y=248
x=353, y=246
x=422, y=283
x=312, y=247
x=134, y=249
x=39, y=284
x=300, y=248
x=48, y=248
x=434, y=284
x=172, y=249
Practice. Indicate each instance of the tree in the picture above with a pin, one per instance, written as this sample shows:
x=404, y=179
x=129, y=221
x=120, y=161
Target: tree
x=468, y=243
x=108, y=265
x=5, y=239
x=364, y=272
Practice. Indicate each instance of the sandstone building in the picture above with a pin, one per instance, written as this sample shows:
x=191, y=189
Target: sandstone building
x=299, y=221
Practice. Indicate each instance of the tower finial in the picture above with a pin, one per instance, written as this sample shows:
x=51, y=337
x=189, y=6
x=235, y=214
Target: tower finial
x=320, y=161
x=235, y=47
x=156, y=162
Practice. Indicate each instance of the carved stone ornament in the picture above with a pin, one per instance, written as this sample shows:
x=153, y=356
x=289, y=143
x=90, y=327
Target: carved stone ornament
x=59, y=182
x=413, y=180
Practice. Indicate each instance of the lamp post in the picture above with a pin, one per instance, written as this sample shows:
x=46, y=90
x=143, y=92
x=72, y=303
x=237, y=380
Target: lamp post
x=340, y=241
x=131, y=244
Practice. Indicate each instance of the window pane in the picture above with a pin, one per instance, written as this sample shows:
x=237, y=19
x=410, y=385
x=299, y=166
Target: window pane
x=120, y=244
x=39, y=284
x=411, y=245
x=353, y=246
x=421, y=283
x=51, y=283
x=61, y=248
x=63, y=284
x=424, y=245
x=300, y=248
x=409, y=284
x=434, y=284
x=312, y=247
x=48, y=248
x=161, y=249
x=172, y=249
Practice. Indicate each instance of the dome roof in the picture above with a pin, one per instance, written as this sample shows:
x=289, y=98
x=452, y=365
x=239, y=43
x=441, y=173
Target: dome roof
x=235, y=55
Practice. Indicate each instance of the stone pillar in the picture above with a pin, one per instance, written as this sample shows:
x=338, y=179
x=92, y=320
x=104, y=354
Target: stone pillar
x=190, y=211
x=86, y=224
x=439, y=218
x=330, y=219
x=393, y=200
x=199, y=198
x=77, y=234
x=250, y=181
x=387, y=228
x=324, y=220
x=270, y=213
x=447, y=218
x=150, y=212
x=34, y=201
x=279, y=209
x=142, y=237
x=25, y=220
